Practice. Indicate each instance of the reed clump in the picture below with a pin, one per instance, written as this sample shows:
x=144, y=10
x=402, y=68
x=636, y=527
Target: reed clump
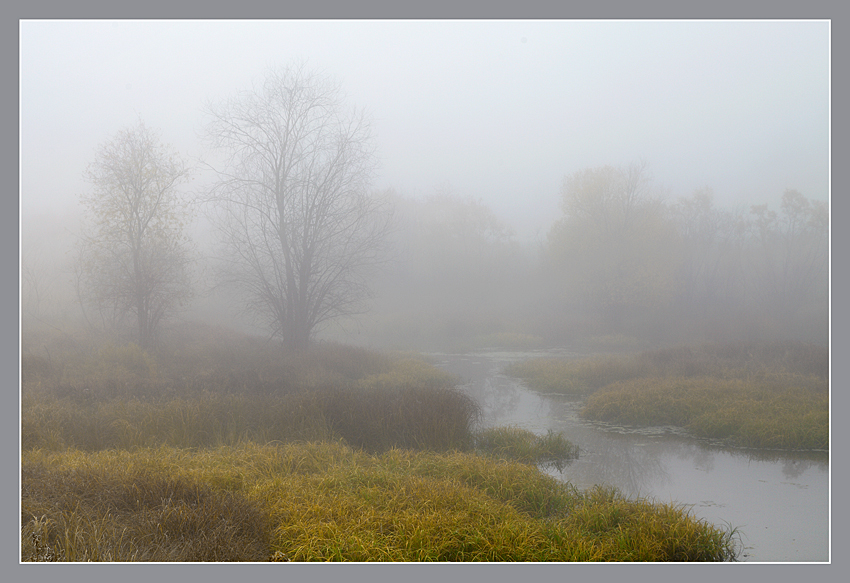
x=329, y=502
x=515, y=443
x=375, y=419
x=642, y=530
x=378, y=418
x=760, y=395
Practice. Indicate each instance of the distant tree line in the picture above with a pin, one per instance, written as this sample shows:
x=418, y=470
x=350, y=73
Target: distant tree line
x=639, y=264
x=621, y=259
x=302, y=237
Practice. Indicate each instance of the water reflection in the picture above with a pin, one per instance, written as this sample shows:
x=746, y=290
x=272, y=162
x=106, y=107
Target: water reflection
x=631, y=468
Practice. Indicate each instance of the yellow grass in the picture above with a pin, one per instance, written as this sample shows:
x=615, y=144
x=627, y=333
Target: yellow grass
x=327, y=502
x=753, y=395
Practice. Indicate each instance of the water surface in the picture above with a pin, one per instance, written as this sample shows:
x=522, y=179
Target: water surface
x=778, y=500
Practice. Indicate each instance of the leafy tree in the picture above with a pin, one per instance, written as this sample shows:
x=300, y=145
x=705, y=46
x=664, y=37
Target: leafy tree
x=134, y=257
x=613, y=250
x=300, y=230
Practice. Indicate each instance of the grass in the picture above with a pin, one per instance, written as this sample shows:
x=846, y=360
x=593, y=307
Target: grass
x=781, y=412
x=328, y=502
x=230, y=450
x=122, y=398
x=772, y=395
x=575, y=377
x=96, y=513
x=615, y=342
x=514, y=443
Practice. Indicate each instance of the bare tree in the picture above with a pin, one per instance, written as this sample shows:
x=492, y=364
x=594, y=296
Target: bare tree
x=792, y=252
x=291, y=203
x=134, y=258
x=712, y=243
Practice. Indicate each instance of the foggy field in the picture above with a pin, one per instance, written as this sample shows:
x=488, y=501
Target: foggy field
x=226, y=452
x=244, y=275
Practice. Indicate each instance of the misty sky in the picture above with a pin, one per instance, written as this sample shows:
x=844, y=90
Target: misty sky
x=497, y=110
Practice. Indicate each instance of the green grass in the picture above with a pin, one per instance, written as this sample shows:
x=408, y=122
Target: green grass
x=759, y=395
x=328, y=502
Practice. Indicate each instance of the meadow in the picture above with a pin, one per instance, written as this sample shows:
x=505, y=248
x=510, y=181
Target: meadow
x=224, y=448
x=756, y=395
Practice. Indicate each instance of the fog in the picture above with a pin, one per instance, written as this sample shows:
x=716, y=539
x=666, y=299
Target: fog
x=494, y=142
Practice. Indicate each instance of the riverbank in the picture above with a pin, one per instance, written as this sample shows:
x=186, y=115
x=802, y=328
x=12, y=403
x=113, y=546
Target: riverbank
x=771, y=395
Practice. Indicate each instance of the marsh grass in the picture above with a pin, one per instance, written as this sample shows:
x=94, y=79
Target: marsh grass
x=739, y=360
x=231, y=450
x=328, y=502
x=125, y=398
x=760, y=395
x=779, y=412
x=510, y=340
x=576, y=377
x=373, y=418
x=614, y=342
x=642, y=531
x=104, y=513
x=514, y=443
x=240, y=365
x=378, y=418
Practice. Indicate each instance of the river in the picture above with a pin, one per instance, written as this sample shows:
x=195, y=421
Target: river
x=778, y=500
